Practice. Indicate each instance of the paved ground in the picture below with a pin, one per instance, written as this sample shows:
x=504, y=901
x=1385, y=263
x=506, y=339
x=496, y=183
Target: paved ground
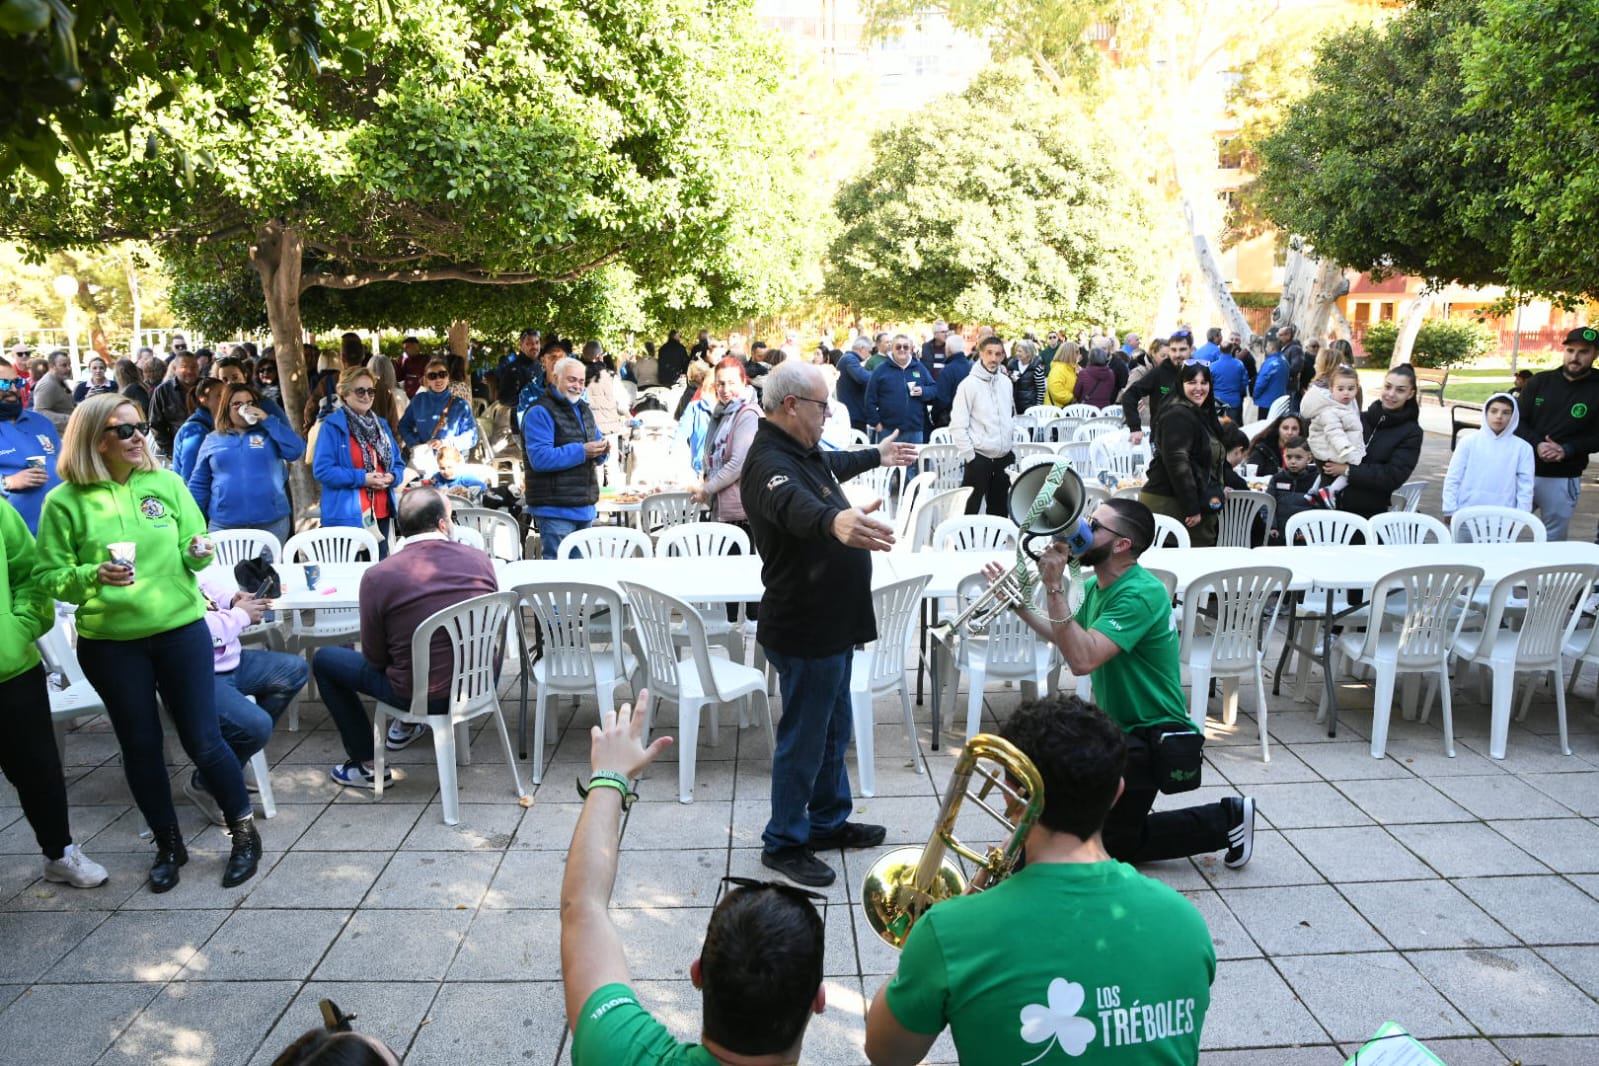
x=1458, y=897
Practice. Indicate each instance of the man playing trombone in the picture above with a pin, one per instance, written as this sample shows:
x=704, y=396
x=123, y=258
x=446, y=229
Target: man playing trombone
x=1076, y=949
x=1123, y=635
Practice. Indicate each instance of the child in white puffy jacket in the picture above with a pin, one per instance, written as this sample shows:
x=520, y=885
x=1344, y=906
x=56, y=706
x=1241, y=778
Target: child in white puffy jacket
x=1332, y=415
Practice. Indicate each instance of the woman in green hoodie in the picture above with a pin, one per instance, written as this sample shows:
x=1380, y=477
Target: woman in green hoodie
x=122, y=539
x=29, y=758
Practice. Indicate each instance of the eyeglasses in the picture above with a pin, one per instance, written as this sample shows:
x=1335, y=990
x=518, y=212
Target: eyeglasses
x=239, y=404
x=442, y=375
x=902, y=347
x=126, y=430
x=10, y=383
x=1096, y=525
x=823, y=404
x=363, y=392
x=180, y=347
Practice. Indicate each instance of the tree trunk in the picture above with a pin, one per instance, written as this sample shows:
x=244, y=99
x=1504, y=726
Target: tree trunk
x=1210, y=267
x=132, y=270
x=1340, y=327
x=278, y=256
x=1411, y=326
x=1311, y=287
x=460, y=338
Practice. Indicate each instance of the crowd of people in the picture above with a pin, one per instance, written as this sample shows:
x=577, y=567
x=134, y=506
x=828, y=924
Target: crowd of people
x=116, y=485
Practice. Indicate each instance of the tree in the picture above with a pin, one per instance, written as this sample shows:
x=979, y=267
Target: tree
x=1002, y=205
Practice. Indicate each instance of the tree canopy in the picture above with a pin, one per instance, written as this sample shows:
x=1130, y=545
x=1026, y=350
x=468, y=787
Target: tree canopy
x=1001, y=205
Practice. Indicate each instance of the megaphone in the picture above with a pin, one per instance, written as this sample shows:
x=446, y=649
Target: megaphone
x=1042, y=510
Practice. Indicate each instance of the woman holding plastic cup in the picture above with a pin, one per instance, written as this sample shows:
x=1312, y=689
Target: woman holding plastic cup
x=122, y=539
x=238, y=479
x=357, y=461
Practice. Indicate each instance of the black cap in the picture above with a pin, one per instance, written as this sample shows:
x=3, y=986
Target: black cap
x=1583, y=335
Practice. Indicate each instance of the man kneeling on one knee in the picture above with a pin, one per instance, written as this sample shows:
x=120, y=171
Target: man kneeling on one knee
x=273, y=678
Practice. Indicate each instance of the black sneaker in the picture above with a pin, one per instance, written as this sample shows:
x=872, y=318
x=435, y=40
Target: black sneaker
x=800, y=866
x=850, y=835
x=1240, y=830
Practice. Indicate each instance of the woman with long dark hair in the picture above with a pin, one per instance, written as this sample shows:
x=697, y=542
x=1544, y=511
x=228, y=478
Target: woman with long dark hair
x=1266, y=449
x=1187, y=476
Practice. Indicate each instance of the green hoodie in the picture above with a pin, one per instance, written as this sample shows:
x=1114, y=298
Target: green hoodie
x=153, y=510
x=26, y=613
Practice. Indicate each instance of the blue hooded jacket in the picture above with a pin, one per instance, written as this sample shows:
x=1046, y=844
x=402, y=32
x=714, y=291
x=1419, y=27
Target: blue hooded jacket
x=422, y=416
x=341, y=480
x=186, y=443
x=238, y=478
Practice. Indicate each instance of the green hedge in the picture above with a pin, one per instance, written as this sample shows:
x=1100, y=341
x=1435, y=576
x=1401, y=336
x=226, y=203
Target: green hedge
x=1441, y=342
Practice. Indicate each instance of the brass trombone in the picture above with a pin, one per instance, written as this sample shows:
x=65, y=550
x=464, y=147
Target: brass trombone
x=901, y=885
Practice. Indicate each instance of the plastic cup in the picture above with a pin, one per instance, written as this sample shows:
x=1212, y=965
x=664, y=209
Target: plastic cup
x=36, y=462
x=123, y=553
x=250, y=415
x=1251, y=471
x=313, y=574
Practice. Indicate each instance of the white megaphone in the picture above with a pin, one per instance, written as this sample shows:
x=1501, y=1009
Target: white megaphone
x=1059, y=511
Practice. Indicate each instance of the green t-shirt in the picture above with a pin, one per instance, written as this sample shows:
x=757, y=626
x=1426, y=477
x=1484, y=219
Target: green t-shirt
x=615, y=1031
x=1143, y=685
x=1063, y=963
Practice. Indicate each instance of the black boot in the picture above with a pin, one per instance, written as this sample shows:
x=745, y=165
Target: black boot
x=246, y=854
x=169, y=855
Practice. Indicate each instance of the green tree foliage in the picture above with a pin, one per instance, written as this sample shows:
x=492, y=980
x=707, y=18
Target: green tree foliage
x=65, y=66
x=1441, y=342
x=1529, y=72
x=1002, y=205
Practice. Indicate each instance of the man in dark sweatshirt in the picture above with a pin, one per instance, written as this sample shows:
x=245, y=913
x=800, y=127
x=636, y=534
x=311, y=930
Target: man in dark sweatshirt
x=1157, y=385
x=1560, y=419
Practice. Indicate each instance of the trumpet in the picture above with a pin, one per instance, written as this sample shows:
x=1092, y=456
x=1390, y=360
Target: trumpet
x=902, y=885
x=1047, y=500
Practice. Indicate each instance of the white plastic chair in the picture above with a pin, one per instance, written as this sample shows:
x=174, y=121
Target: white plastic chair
x=1232, y=644
x=233, y=546
x=945, y=463
x=940, y=436
x=975, y=533
x=1008, y=651
x=1039, y=413
x=1553, y=596
x=911, y=501
x=568, y=615
x=878, y=483
x=1496, y=525
x=1083, y=411
x=859, y=439
x=664, y=510
x=691, y=679
x=880, y=668
x=1127, y=461
x=1582, y=648
x=1094, y=429
x=1024, y=452
x=1057, y=430
x=710, y=538
x=932, y=511
x=1239, y=513
x=1170, y=533
x=1080, y=454
x=311, y=630
x=1408, y=527
x=1317, y=527
x=474, y=629
x=1408, y=496
x=606, y=542
x=502, y=536
x=1416, y=638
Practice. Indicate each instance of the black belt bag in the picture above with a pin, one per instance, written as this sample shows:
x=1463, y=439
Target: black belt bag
x=1176, y=757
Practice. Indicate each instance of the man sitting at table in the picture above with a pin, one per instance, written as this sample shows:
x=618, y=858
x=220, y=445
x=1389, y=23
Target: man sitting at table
x=430, y=573
x=1124, y=636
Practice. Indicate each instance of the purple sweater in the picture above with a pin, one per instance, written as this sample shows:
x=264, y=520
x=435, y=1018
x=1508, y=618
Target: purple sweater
x=398, y=594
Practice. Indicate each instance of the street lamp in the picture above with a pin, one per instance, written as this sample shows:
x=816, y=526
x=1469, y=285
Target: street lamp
x=66, y=287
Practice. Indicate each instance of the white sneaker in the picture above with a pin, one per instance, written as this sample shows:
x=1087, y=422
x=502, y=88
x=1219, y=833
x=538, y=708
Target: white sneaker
x=76, y=869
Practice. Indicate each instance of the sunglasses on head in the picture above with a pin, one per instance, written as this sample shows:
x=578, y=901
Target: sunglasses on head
x=441, y=375
x=126, y=430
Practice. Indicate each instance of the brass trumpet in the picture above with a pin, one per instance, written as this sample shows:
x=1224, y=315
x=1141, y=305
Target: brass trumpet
x=901, y=885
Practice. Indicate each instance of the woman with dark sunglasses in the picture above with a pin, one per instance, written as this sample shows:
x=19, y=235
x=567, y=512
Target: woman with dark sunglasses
x=357, y=461
x=122, y=539
x=436, y=416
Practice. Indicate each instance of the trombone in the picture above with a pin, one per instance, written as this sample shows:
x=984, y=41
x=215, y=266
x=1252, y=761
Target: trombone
x=901, y=885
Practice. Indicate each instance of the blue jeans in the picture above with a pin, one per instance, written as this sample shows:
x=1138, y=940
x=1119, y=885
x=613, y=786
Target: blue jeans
x=343, y=676
x=272, y=677
x=553, y=530
x=810, y=777
x=127, y=675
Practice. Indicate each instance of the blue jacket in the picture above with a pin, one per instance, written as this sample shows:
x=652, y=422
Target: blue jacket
x=691, y=430
x=420, y=418
x=1271, y=381
x=238, y=478
x=949, y=379
x=341, y=480
x=1229, y=380
x=852, y=379
x=31, y=433
x=888, y=398
x=186, y=443
x=543, y=454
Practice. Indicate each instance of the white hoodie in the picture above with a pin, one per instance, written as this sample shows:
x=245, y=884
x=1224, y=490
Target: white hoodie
x=983, y=414
x=1491, y=468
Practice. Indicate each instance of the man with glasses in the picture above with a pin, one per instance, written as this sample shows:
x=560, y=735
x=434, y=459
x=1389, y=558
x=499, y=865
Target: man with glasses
x=1157, y=385
x=1075, y=947
x=1123, y=635
x=899, y=393
x=933, y=354
x=817, y=606
x=759, y=970
x=29, y=447
x=173, y=400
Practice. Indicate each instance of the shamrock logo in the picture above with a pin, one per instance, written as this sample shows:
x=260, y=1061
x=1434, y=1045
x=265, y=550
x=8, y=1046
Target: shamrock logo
x=1058, y=1022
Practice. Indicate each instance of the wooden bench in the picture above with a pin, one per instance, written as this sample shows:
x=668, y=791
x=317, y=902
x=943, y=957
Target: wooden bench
x=1463, y=416
x=1431, y=379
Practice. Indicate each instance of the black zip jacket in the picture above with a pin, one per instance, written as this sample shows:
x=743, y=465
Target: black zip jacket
x=1158, y=384
x=1393, y=448
x=818, y=598
x=1184, y=457
x=1566, y=412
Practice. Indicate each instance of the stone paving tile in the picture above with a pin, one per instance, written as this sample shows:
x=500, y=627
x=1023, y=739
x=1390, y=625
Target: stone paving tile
x=1350, y=761
x=510, y=945
x=662, y=941
x=1404, y=800
x=180, y=1026
x=1550, y=1051
x=1509, y=992
x=1363, y=853
x=1469, y=849
x=395, y=945
x=1241, y=766
x=137, y=946
x=1345, y=992
x=1251, y=1006
x=433, y=880
x=1539, y=910
x=1302, y=920
x=511, y=1022
x=1500, y=796
x=312, y=879
x=1284, y=867
x=1306, y=806
x=390, y=1010
x=1580, y=965
x=1565, y=845
x=1323, y=1055
x=689, y=878
x=1229, y=937
x=364, y=825
x=36, y=942
x=32, y=1029
x=527, y=879
x=1578, y=791
x=263, y=945
x=1425, y=914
